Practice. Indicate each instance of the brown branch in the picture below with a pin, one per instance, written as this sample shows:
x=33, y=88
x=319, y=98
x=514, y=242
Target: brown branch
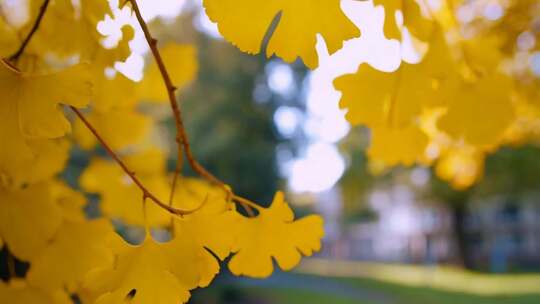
x=131, y=174
x=177, y=171
x=34, y=29
x=181, y=136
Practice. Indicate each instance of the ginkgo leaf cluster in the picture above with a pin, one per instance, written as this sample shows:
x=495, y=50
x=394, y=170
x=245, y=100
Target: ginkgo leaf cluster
x=60, y=90
x=43, y=220
x=424, y=113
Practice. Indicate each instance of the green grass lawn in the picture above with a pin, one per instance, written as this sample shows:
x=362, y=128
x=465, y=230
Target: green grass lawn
x=418, y=295
x=397, y=295
x=325, y=290
x=319, y=281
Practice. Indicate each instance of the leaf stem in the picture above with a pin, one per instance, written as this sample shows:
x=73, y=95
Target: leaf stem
x=247, y=204
x=393, y=102
x=131, y=174
x=34, y=29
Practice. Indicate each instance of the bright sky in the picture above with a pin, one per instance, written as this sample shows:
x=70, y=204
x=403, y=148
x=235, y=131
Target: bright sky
x=322, y=165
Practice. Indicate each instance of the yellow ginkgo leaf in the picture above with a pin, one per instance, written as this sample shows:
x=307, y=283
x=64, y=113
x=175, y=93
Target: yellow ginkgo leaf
x=197, y=266
x=120, y=197
x=70, y=28
x=29, y=218
x=190, y=192
x=469, y=105
x=32, y=114
x=375, y=98
x=113, y=93
x=181, y=63
x=212, y=226
x=77, y=247
x=107, y=57
x=70, y=201
x=120, y=128
x=18, y=291
x=394, y=146
x=9, y=42
x=412, y=18
x=31, y=161
x=274, y=234
x=34, y=100
x=149, y=273
x=461, y=166
x=483, y=53
x=246, y=22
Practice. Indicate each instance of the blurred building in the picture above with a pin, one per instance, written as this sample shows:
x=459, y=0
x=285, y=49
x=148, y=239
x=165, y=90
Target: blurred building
x=404, y=231
x=501, y=235
x=504, y=234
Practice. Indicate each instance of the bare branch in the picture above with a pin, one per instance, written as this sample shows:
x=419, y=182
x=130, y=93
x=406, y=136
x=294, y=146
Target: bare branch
x=34, y=29
x=131, y=174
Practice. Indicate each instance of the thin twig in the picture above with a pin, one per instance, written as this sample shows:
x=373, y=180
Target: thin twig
x=131, y=174
x=34, y=29
x=174, y=182
x=181, y=136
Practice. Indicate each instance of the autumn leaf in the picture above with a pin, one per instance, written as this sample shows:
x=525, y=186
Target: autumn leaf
x=8, y=39
x=113, y=93
x=213, y=226
x=376, y=98
x=461, y=167
x=120, y=128
x=413, y=20
x=394, y=146
x=77, y=247
x=34, y=161
x=152, y=272
x=34, y=114
x=33, y=110
x=483, y=54
x=274, y=234
x=196, y=267
x=120, y=197
x=29, y=218
x=462, y=119
x=18, y=291
x=77, y=24
x=70, y=201
x=245, y=24
x=181, y=61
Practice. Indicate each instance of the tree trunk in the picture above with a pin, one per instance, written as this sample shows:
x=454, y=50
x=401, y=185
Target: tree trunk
x=459, y=211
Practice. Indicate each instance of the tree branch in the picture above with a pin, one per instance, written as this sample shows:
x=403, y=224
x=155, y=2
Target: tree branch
x=131, y=174
x=34, y=29
x=181, y=136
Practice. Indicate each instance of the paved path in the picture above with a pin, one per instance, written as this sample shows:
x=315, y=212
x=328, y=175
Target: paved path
x=318, y=285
